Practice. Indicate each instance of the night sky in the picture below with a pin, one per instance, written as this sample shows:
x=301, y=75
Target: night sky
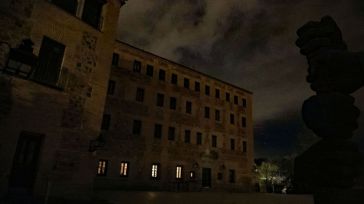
x=249, y=43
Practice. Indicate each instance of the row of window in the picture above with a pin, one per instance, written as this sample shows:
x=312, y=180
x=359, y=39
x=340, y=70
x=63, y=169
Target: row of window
x=155, y=171
x=174, y=80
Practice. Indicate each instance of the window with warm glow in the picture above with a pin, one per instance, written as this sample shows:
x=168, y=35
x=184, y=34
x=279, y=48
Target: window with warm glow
x=102, y=168
x=178, y=172
x=155, y=168
x=124, y=169
x=192, y=175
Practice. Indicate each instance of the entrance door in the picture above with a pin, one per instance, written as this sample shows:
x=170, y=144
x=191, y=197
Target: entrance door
x=25, y=162
x=206, y=177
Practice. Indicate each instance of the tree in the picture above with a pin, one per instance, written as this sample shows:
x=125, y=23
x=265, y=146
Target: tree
x=269, y=175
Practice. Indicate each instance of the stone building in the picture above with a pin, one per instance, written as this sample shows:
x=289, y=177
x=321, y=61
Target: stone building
x=51, y=113
x=169, y=127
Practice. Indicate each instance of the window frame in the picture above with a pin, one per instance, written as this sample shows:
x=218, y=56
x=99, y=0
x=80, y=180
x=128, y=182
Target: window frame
x=155, y=173
x=102, y=170
x=122, y=168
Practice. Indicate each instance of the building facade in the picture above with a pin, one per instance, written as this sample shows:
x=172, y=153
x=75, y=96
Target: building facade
x=169, y=127
x=55, y=59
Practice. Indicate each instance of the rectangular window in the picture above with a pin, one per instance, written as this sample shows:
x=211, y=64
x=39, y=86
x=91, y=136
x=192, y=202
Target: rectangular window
x=188, y=136
x=232, y=118
x=178, y=172
x=207, y=112
x=231, y=176
x=207, y=90
x=199, y=138
x=217, y=115
x=232, y=144
x=102, y=168
x=137, y=127
x=173, y=103
x=160, y=100
x=155, y=171
x=139, y=95
x=162, y=75
x=92, y=12
x=150, y=70
x=244, y=102
x=186, y=83
x=68, y=5
x=197, y=86
x=137, y=66
x=243, y=122
x=192, y=175
x=188, y=107
x=236, y=100
x=115, y=59
x=158, y=131
x=214, y=141
x=217, y=93
x=124, y=169
x=111, y=87
x=227, y=96
x=244, y=147
x=174, y=79
x=171, y=133
x=105, y=125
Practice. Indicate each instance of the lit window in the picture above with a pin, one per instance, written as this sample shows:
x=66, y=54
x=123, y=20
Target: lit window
x=102, y=168
x=155, y=170
x=192, y=175
x=124, y=167
x=178, y=172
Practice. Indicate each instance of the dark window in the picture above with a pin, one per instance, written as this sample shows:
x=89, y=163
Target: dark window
x=68, y=5
x=186, y=83
x=217, y=115
x=174, y=79
x=160, y=100
x=124, y=169
x=105, y=125
x=137, y=127
x=244, y=102
x=173, y=103
x=232, y=144
x=244, y=147
x=150, y=70
x=187, y=136
x=111, y=87
x=197, y=86
x=139, y=95
x=232, y=118
x=227, y=97
x=214, y=141
x=155, y=171
x=49, y=63
x=199, y=138
x=236, y=100
x=158, y=131
x=207, y=112
x=207, y=90
x=137, y=66
x=231, y=176
x=188, y=107
x=219, y=176
x=102, y=167
x=115, y=59
x=162, y=75
x=171, y=133
x=243, y=122
x=217, y=93
x=92, y=12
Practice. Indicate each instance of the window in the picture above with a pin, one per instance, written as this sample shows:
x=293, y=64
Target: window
x=158, y=131
x=219, y=176
x=232, y=118
x=187, y=136
x=171, y=133
x=186, y=83
x=207, y=90
x=173, y=103
x=124, y=169
x=178, y=172
x=188, y=107
x=217, y=93
x=236, y=100
x=137, y=66
x=192, y=175
x=217, y=115
x=207, y=112
x=150, y=70
x=232, y=144
x=214, y=141
x=160, y=100
x=105, y=125
x=115, y=59
x=102, y=168
x=68, y=5
x=155, y=171
x=231, y=176
x=92, y=12
x=137, y=127
x=244, y=147
x=227, y=96
x=111, y=87
x=174, y=79
x=244, y=102
x=162, y=75
x=199, y=138
x=197, y=86
x=139, y=95
x=243, y=122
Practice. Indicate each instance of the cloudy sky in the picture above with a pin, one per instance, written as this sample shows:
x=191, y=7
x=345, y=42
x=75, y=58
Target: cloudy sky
x=249, y=43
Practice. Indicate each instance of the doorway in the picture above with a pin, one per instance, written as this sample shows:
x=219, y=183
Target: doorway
x=206, y=177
